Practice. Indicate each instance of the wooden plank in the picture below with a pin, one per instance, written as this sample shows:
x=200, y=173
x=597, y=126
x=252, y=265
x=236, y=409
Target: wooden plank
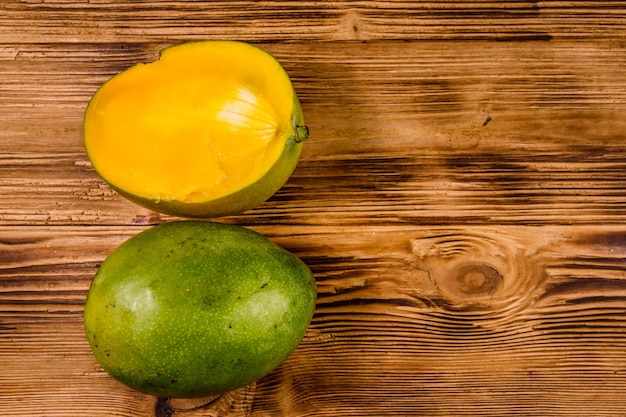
x=112, y=21
x=417, y=132
x=431, y=83
x=460, y=201
x=449, y=320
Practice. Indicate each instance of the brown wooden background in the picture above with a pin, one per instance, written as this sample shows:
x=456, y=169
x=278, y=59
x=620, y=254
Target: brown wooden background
x=461, y=202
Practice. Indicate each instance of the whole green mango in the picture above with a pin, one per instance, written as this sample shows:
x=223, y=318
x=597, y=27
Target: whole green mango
x=193, y=308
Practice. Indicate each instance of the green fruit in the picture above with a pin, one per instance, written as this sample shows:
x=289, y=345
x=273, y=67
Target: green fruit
x=211, y=128
x=193, y=308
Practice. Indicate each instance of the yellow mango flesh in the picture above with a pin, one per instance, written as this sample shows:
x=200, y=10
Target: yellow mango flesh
x=205, y=120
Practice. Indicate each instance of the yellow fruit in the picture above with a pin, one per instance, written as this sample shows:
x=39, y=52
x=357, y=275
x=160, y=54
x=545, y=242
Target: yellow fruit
x=212, y=128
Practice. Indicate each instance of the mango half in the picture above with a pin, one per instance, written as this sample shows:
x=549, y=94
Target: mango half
x=210, y=129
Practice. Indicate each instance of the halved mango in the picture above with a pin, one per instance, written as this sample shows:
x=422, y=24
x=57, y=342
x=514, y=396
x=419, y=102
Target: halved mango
x=212, y=128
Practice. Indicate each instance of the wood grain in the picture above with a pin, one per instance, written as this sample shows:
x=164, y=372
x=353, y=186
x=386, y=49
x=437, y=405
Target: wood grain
x=106, y=20
x=398, y=330
x=401, y=133
x=461, y=202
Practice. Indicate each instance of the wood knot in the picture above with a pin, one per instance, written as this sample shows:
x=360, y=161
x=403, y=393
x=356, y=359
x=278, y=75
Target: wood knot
x=479, y=270
x=353, y=26
x=470, y=280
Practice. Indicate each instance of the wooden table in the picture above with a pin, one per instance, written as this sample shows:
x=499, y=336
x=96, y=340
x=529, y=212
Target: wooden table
x=461, y=201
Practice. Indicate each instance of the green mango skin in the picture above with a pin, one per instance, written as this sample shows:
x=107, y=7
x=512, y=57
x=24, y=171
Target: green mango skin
x=195, y=308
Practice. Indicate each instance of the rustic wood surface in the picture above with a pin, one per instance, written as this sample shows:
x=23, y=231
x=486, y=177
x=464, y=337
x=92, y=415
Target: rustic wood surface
x=461, y=201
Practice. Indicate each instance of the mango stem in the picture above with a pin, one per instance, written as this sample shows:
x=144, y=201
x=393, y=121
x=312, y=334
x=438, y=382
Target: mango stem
x=301, y=133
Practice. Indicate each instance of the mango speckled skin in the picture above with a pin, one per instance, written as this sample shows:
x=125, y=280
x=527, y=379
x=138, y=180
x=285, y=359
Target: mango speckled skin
x=192, y=308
